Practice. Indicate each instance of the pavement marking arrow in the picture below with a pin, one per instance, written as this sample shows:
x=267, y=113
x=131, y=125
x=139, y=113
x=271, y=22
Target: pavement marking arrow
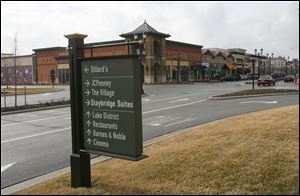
x=259, y=102
x=86, y=70
x=5, y=167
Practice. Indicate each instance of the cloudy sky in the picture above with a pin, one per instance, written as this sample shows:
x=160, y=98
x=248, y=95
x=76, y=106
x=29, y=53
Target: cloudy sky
x=273, y=26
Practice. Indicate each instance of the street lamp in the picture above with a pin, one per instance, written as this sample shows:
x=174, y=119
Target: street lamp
x=271, y=61
x=288, y=58
x=141, y=49
x=177, y=57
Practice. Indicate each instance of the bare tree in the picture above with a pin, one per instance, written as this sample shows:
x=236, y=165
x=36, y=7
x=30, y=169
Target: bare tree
x=15, y=50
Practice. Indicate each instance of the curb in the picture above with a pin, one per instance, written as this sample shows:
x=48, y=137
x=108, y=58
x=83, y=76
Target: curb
x=247, y=96
x=35, y=109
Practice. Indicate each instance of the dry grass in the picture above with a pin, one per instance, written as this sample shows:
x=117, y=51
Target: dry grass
x=21, y=91
x=256, y=153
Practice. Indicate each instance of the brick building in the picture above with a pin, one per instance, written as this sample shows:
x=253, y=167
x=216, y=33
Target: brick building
x=163, y=60
x=22, y=73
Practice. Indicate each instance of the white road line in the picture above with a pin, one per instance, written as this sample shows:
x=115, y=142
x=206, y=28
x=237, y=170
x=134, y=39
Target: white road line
x=179, y=100
x=163, y=121
x=259, y=102
x=170, y=98
x=5, y=167
x=185, y=120
x=153, y=118
x=157, y=121
x=30, y=136
x=176, y=106
x=32, y=120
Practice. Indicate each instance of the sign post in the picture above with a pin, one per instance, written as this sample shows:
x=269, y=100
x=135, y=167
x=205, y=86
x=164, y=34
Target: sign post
x=106, y=112
x=80, y=161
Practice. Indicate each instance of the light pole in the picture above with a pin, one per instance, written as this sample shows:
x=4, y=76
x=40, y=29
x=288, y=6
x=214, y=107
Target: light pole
x=271, y=62
x=286, y=62
x=262, y=64
x=255, y=52
x=141, y=50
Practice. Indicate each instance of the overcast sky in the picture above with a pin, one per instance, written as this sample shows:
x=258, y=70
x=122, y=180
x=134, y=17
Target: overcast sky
x=273, y=26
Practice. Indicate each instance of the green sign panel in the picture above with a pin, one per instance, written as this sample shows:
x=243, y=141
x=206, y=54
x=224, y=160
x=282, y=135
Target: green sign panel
x=111, y=105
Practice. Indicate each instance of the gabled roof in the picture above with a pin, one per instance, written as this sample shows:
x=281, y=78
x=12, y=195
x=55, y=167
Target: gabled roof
x=145, y=28
x=216, y=52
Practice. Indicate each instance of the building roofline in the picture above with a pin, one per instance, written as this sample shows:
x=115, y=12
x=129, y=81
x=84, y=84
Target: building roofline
x=105, y=42
x=21, y=56
x=50, y=49
x=184, y=44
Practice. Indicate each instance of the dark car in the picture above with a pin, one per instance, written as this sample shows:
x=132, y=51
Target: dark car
x=289, y=78
x=231, y=77
x=250, y=76
x=265, y=80
x=278, y=76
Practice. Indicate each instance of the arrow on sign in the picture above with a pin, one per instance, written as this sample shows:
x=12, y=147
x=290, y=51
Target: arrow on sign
x=88, y=123
x=86, y=70
x=87, y=83
x=89, y=132
x=89, y=141
x=88, y=102
x=88, y=114
x=87, y=92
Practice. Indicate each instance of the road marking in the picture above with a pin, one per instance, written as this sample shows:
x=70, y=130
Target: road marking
x=30, y=136
x=157, y=100
x=179, y=100
x=5, y=167
x=46, y=94
x=185, y=120
x=32, y=120
x=155, y=124
x=259, y=102
x=176, y=106
x=153, y=117
x=146, y=99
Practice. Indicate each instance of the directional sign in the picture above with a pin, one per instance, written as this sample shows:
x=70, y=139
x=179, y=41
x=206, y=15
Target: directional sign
x=111, y=105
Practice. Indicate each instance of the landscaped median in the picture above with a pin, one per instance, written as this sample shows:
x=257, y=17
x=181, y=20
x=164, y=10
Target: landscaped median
x=255, y=92
x=29, y=90
x=255, y=153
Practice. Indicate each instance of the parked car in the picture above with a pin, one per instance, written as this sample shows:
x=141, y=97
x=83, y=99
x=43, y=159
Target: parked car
x=289, y=78
x=244, y=77
x=266, y=79
x=278, y=76
x=250, y=76
x=231, y=77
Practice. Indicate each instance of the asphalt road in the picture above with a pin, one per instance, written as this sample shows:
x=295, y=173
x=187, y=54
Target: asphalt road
x=39, y=142
x=65, y=94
